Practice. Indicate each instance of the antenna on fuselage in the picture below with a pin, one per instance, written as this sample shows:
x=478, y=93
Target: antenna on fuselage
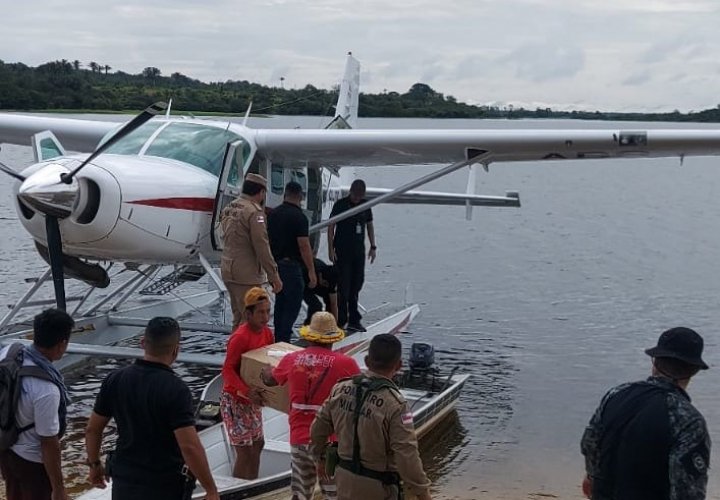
x=167, y=111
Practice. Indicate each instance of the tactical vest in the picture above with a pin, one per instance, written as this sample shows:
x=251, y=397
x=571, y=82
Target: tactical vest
x=364, y=386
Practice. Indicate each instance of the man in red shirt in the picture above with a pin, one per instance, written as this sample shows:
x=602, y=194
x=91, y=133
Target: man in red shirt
x=310, y=375
x=241, y=405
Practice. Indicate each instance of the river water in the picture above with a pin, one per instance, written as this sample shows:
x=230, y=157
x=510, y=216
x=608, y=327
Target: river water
x=547, y=306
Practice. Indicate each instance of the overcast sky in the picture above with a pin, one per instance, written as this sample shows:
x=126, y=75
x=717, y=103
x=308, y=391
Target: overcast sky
x=624, y=55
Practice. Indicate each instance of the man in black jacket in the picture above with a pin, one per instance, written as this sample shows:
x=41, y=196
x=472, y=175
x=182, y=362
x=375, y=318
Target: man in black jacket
x=646, y=441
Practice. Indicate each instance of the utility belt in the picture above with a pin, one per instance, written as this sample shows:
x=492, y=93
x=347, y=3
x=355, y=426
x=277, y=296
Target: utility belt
x=388, y=478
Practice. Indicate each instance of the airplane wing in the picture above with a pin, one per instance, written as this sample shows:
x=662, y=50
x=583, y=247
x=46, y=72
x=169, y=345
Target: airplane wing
x=365, y=147
x=358, y=148
x=74, y=134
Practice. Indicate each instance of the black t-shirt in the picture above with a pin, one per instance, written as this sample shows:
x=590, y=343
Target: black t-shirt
x=286, y=224
x=148, y=402
x=350, y=233
x=326, y=279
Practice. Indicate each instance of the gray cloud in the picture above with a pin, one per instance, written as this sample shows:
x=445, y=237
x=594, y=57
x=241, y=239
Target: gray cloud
x=595, y=53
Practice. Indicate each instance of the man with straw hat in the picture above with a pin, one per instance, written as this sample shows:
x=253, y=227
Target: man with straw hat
x=646, y=440
x=310, y=375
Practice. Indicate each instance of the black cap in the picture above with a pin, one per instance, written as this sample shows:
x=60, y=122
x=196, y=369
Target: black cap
x=680, y=343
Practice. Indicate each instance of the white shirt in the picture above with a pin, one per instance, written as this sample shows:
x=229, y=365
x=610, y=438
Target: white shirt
x=39, y=402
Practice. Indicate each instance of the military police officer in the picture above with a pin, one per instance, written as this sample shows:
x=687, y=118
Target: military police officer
x=377, y=445
x=646, y=440
x=246, y=260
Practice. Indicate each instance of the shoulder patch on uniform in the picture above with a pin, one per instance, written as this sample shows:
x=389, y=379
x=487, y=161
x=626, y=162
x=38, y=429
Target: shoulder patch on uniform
x=695, y=461
x=407, y=418
x=260, y=219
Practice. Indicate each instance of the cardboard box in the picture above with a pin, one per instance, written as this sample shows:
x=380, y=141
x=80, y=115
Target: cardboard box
x=253, y=363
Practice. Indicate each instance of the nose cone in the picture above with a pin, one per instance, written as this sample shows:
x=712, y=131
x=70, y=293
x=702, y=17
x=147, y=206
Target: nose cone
x=47, y=193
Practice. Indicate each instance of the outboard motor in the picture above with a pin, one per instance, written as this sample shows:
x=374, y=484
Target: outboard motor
x=422, y=357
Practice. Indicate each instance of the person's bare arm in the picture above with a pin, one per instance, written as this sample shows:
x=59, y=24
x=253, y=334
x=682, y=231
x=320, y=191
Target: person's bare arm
x=333, y=306
x=93, y=440
x=331, y=237
x=194, y=455
x=307, y=256
x=50, y=450
x=372, y=253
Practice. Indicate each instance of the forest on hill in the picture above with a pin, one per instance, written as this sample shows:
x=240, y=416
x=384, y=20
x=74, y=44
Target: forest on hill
x=72, y=86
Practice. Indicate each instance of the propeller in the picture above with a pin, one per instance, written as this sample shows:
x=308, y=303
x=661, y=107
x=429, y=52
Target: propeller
x=51, y=191
x=11, y=172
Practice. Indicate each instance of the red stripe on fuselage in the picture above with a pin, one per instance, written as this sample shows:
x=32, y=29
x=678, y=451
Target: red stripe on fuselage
x=194, y=204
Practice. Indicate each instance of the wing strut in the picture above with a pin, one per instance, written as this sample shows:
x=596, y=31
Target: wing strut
x=472, y=156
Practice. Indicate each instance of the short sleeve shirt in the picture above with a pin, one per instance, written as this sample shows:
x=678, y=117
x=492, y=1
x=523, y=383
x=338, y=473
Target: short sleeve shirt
x=148, y=402
x=286, y=224
x=38, y=404
x=350, y=233
x=310, y=375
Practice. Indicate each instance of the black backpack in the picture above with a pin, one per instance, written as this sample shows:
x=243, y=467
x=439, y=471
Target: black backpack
x=11, y=373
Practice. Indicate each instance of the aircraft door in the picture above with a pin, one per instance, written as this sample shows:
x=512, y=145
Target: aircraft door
x=229, y=185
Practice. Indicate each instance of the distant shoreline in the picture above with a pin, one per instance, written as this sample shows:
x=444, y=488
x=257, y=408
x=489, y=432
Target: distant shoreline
x=64, y=86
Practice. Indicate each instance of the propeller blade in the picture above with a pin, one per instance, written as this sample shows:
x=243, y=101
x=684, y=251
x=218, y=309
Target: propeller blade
x=52, y=230
x=150, y=111
x=11, y=172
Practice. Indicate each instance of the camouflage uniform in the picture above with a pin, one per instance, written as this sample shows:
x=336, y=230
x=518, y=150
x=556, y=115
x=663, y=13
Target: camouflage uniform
x=246, y=254
x=387, y=437
x=678, y=472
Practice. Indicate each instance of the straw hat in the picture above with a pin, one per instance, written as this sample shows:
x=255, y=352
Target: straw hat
x=322, y=329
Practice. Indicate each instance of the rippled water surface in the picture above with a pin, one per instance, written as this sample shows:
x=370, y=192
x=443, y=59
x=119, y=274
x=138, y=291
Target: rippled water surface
x=546, y=306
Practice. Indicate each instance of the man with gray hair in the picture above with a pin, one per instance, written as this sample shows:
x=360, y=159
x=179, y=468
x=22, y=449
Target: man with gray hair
x=646, y=440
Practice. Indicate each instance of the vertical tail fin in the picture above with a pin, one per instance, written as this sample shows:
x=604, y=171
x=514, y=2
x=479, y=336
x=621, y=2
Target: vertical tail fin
x=346, y=110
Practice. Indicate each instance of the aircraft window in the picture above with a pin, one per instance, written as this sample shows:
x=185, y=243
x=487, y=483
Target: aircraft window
x=132, y=143
x=48, y=149
x=277, y=183
x=199, y=145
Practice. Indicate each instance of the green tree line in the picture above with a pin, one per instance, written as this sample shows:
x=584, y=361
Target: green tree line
x=73, y=86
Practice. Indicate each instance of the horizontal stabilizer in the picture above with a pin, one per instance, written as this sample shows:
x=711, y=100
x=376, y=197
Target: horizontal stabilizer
x=511, y=199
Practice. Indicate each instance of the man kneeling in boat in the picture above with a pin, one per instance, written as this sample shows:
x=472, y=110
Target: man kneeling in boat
x=377, y=445
x=241, y=405
x=310, y=375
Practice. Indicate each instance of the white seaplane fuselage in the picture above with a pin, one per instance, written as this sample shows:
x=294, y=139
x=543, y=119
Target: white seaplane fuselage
x=152, y=197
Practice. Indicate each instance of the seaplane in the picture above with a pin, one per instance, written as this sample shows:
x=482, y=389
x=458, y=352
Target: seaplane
x=148, y=194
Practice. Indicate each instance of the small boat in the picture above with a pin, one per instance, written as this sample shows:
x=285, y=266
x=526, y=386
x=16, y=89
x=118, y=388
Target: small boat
x=430, y=396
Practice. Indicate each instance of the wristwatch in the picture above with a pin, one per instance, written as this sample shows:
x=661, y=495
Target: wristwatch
x=373, y=247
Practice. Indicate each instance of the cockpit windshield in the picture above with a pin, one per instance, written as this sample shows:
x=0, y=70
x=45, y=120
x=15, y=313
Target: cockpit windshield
x=196, y=144
x=132, y=143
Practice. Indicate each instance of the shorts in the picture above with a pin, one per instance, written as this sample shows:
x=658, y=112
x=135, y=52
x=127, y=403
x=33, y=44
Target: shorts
x=243, y=420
